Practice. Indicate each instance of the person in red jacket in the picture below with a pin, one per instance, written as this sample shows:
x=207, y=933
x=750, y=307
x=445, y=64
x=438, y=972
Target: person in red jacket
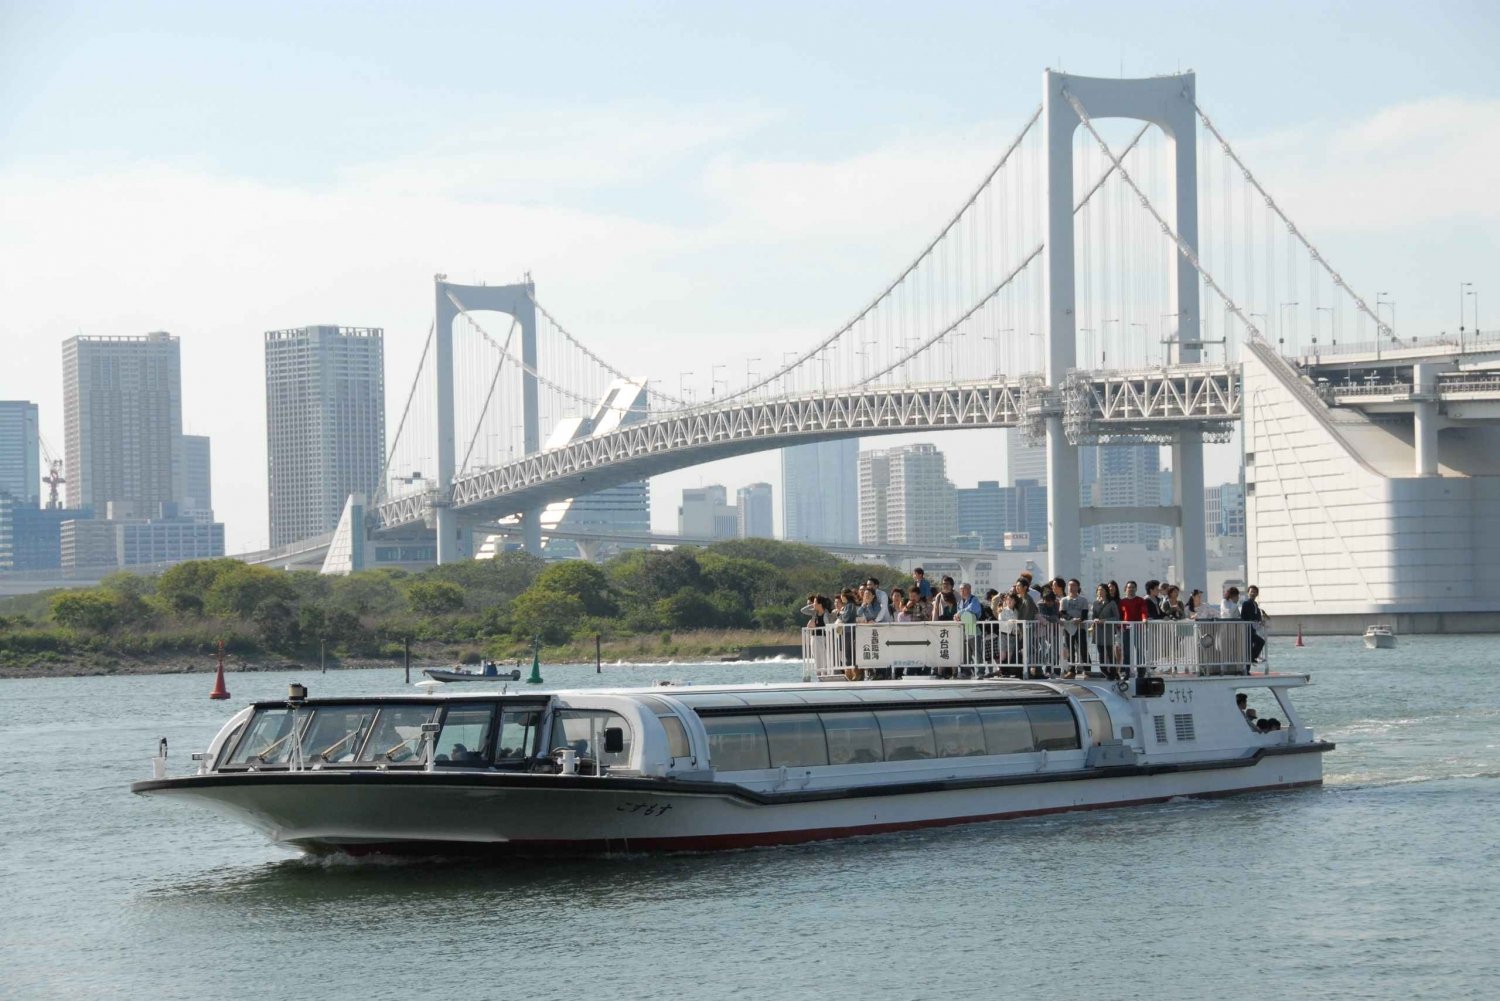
x=1132, y=609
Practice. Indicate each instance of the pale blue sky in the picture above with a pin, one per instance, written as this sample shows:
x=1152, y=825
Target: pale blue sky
x=217, y=169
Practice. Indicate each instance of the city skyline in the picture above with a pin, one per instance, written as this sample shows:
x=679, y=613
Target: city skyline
x=750, y=179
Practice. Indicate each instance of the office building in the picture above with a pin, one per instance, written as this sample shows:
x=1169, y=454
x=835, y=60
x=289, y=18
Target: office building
x=197, y=478
x=982, y=513
x=325, y=424
x=20, y=452
x=1224, y=510
x=121, y=542
x=1023, y=461
x=820, y=492
x=707, y=514
x=31, y=537
x=1122, y=476
x=122, y=404
x=753, y=512
x=905, y=497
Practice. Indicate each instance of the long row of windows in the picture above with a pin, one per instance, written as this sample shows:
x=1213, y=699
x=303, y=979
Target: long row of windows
x=737, y=743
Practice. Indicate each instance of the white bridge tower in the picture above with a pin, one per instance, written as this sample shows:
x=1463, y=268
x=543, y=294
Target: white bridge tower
x=1169, y=103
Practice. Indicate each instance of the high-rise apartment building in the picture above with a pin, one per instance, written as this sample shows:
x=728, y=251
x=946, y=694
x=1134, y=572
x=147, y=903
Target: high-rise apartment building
x=197, y=478
x=905, y=497
x=754, y=513
x=325, y=424
x=122, y=409
x=707, y=514
x=20, y=452
x=874, y=489
x=820, y=492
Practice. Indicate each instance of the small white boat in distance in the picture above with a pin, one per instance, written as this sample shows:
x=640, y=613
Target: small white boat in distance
x=489, y=672
x=1380, y=637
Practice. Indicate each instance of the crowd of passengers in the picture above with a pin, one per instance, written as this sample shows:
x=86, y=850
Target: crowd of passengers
x=1085, y=626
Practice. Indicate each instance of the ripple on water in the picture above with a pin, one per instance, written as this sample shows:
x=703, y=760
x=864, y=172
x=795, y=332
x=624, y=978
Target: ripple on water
x=1374, y=886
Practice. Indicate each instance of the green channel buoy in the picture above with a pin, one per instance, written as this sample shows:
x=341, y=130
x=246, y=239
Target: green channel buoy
x=536, y=665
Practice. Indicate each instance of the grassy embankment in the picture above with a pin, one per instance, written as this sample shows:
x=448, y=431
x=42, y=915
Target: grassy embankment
x=683, y=605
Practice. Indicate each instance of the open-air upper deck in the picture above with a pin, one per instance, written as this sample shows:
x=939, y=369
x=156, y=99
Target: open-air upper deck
x=1027, y=649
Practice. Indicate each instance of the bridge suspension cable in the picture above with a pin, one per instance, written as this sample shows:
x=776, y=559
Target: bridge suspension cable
x=490, y=394
x=416, y=382
x=1291, y=226
x=1182, y=247
x=531, y=294
x=1036, y=251
x=529, y=370
x=926, y=252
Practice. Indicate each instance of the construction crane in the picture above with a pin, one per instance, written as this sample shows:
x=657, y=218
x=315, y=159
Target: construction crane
x=54, y=477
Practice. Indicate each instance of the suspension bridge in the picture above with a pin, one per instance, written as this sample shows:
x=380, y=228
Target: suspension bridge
x=1109, y=280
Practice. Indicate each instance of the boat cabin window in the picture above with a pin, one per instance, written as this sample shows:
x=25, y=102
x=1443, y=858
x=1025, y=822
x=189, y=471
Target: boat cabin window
x=739, y=743
x=958, y=732
x=519, y=728
x=1054, y=727
x=465, y=736
x=736, y=743
x=583, y=731
x=1100, y=726
x=853, y=738
x=906, y=735
x=268, y=738
x=1007, y=730
x=796, y=739
x=396, y=737
x=336, y=733
x=677, y=738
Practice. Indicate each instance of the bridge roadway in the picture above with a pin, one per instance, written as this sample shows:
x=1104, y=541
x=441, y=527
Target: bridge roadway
x=1157, y=402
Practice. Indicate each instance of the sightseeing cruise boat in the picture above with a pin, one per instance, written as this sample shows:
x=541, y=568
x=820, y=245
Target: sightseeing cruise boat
x=688, y=768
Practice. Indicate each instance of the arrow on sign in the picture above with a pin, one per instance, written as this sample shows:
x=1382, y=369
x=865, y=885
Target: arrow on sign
x=908, y=642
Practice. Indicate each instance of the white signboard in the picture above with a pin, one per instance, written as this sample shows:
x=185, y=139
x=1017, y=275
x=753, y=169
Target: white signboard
x=909, y=644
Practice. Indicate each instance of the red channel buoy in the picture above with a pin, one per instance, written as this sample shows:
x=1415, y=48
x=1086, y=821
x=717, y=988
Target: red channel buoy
x=1299, y=635
x=220, y=691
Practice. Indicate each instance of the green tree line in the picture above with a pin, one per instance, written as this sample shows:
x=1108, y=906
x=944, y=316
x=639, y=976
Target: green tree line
x=495, y=605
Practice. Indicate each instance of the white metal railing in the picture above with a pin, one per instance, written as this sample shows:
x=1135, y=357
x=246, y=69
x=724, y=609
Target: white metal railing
x=972, y=649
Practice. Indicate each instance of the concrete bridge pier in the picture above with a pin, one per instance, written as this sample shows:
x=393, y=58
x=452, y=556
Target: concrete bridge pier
x=1425, y=419
x=1190, y=536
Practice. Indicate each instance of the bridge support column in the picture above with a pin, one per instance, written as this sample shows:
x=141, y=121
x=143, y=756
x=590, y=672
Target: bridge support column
x=1064, y=541
x=531, y=530
x=1425, y=418
x=513, y=300
x=1191, y=536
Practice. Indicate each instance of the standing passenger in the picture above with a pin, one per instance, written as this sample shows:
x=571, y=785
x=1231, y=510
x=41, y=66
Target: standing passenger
x=1104, y=622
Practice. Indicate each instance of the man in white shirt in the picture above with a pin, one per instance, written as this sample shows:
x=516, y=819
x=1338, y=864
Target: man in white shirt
x=882, y=601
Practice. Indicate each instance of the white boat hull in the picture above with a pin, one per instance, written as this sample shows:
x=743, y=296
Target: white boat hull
x=1380, y=641
x=551, y=814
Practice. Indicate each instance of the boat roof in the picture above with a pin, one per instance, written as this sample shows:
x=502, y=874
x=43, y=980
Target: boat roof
x=748, y=694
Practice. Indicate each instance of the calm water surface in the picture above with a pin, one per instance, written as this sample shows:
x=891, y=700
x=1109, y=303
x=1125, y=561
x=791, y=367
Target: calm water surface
x=1384, y=883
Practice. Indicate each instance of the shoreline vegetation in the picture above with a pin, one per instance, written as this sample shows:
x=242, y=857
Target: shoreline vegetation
x=646, y=606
